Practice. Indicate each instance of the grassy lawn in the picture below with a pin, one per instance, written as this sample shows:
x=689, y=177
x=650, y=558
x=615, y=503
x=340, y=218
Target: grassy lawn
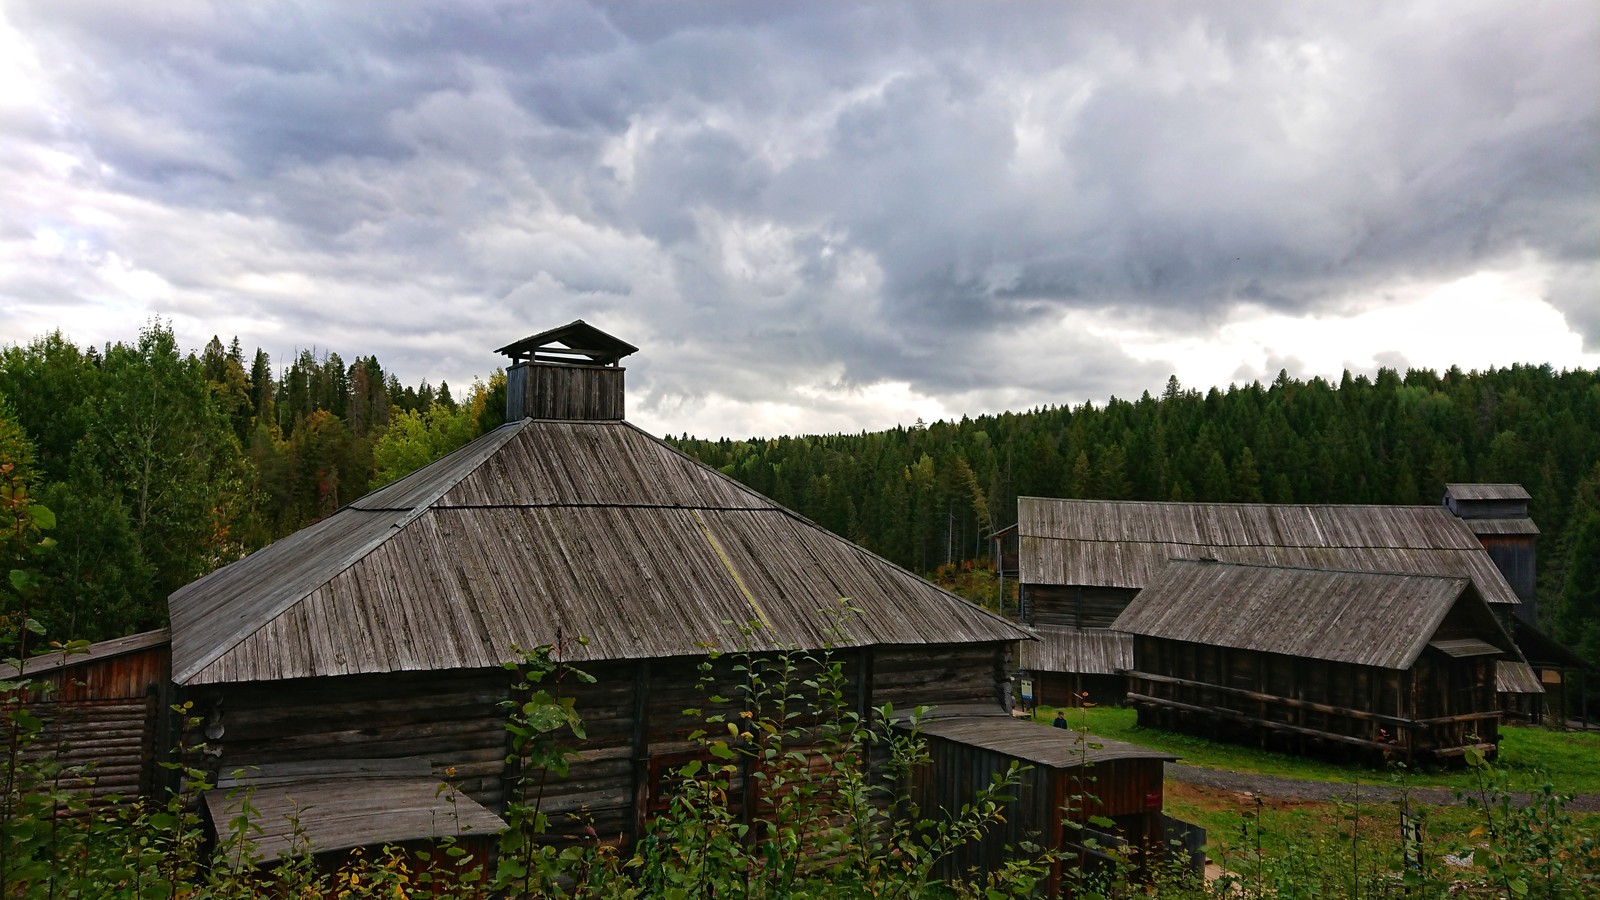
x=1568, y=759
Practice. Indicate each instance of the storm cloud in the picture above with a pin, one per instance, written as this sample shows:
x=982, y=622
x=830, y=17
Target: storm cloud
x=800, y=212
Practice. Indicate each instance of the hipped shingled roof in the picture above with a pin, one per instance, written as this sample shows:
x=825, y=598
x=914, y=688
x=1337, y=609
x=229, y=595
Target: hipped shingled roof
x=1365, y=618
x=543, y=532
x=1123, y=543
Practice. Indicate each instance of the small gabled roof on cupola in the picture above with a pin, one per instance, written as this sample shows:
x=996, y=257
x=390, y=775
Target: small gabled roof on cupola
x=575, y=342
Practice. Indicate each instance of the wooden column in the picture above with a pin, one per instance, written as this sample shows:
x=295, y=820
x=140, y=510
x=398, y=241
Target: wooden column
x=639, y=744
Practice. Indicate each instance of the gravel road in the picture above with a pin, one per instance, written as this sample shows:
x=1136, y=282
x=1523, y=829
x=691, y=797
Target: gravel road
x=1298, y=789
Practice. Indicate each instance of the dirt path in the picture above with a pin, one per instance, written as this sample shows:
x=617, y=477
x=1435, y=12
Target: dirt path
x=1298, y=789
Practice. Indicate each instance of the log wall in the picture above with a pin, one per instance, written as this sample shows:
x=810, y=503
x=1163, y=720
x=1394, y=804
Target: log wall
x=105, y=719
x=637, y=730
x=453, y=719
x=1076, y=606
x=1432, y=711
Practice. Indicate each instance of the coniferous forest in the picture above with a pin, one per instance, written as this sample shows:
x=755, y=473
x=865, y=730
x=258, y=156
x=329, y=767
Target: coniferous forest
x=161, y=465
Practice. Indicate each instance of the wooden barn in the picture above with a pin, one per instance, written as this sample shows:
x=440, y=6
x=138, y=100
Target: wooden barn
x=1081, y=562
x=1069, y=779
x=1317, y=659
x=376, y=637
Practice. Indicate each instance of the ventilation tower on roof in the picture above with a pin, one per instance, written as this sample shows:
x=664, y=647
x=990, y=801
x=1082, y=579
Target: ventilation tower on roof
x=571, y=372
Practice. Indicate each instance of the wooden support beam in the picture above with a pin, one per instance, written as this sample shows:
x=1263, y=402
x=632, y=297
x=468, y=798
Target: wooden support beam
x=1464, y=717
x=1264, y=723
x=1365, y=715
x=639, y=743
x=1457, y=751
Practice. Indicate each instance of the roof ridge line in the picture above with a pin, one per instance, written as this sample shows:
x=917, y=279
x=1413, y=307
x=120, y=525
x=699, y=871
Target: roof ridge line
x=569, y=505
x=1334, y=570
x=1085, y=540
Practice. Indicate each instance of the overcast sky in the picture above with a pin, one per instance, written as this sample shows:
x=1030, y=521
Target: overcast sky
x=815, y=217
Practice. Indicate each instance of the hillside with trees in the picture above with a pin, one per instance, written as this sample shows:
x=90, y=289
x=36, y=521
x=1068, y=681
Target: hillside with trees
x=162, y=465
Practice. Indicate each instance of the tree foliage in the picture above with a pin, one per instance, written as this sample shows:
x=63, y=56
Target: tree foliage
x=907, y=492
x=162, y=465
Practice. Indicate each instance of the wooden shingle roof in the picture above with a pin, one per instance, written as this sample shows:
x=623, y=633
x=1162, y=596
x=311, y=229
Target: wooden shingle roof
x=575, y=342
x=543, y=532
x=1089, y=651
x=1123, y=544
x=321, y=806
x=1040, y=745
x=1488, y=492
x=1366, y=618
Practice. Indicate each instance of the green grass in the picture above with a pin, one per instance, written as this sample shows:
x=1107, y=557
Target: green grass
x=1568, y=759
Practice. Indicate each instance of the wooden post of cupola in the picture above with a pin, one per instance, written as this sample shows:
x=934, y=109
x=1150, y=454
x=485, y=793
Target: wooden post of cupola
x=571, y=373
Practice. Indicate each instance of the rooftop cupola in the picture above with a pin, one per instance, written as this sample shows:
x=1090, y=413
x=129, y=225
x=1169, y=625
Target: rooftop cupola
x=571, y=372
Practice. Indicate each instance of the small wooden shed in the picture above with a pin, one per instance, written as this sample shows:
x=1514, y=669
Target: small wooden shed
x=1316, y=659
x=380, y=632
x=104, y=712
x=1070, y=778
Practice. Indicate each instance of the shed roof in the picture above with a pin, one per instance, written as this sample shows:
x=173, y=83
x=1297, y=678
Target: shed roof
x=1366, y=618
x=102, y=650
x=1513, y=676
x=1123, y=543
x=319, y=807
x=1488, y=492
x=543, y=532
x=1501, y=527
x=1091, y=651
x=1057, y=748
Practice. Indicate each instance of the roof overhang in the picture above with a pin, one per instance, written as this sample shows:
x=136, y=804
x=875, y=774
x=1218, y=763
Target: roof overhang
x=328, y=805
x=1032, y=742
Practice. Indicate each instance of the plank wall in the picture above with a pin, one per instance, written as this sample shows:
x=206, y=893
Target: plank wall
x=1296, y=704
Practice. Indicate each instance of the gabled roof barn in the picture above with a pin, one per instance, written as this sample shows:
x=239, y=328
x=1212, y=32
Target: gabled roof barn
x=1124, y=543
x=1375, y=619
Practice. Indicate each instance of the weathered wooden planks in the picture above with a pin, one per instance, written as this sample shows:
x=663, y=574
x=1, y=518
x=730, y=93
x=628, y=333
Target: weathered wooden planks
x=1123, y=544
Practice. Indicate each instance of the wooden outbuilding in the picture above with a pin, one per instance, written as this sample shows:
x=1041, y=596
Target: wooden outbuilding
x=1081, y=562
x=1317, y=659
x=1070, y=785
x=380, y=632
x=104, y=712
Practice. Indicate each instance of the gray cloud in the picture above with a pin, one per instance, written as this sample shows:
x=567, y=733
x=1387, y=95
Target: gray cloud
x=779, y=194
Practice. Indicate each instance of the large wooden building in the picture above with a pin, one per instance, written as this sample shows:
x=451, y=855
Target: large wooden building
x=379, y=633
x=1317, y=659
x=1080, y=563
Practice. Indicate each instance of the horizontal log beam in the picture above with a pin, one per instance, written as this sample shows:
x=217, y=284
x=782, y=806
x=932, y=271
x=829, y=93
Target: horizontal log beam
x=1265, y=723
x=1286, y=701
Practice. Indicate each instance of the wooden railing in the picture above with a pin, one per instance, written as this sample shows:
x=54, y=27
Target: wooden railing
x=1432, y=736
